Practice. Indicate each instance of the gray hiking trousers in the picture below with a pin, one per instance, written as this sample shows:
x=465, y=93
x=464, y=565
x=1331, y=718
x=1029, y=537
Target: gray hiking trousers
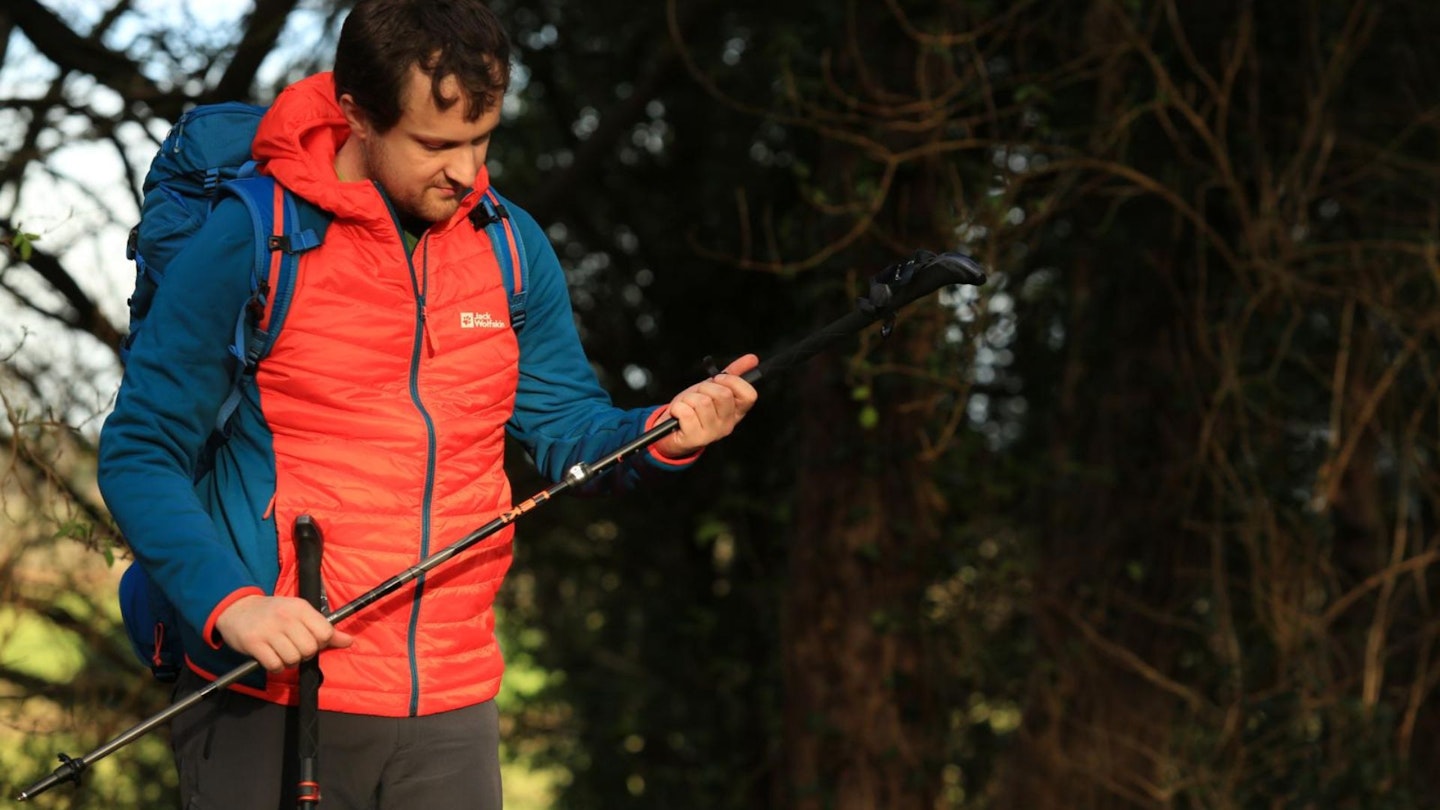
x=235, y=752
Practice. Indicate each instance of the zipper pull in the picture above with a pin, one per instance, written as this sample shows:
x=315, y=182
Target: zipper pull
x=431, y=341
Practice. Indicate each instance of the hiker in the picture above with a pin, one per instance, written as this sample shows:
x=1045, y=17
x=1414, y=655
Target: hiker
x=381, y=411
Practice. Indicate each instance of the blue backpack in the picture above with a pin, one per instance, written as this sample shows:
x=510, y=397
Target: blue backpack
x=205, y=156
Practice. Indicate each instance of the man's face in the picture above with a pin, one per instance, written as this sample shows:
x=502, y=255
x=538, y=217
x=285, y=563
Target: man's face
x=431, y=156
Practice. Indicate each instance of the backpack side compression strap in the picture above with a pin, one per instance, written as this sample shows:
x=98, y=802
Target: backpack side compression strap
x=279, y=239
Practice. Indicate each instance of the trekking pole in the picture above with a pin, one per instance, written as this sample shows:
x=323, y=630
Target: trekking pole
x=308, y=547
x=896, y=286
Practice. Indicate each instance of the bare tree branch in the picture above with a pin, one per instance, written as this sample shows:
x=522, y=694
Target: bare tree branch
x=85, y=315
x=69, y=51
x=262, y=29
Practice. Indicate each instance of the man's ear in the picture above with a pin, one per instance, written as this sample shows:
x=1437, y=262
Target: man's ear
x=355, y=117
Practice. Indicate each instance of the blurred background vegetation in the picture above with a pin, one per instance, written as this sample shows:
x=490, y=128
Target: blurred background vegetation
x=1149, y=521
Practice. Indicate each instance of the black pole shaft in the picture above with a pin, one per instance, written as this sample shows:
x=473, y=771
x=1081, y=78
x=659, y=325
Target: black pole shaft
x=894, y=288
x=71, y=768
x=308, y=548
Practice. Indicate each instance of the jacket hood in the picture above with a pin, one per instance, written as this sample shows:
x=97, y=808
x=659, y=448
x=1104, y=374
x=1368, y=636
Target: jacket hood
x=298, y=140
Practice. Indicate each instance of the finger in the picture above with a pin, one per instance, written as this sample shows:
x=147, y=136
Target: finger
x=267, y=658
x=742, y=364
x=681, y=411
x=305, y=644
x=744, y=399
x=707, y=404
x=285, y=648
x=743, y=394
x=318, y=626
x=340, y=638
x=720, y=389
x=741, y=391
x=309, y=634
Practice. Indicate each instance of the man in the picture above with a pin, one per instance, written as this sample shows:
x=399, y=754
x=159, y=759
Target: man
x=381, y=412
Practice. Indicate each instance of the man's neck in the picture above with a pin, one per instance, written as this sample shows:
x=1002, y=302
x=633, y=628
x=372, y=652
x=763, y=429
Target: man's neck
x=414, y=226
x=349, y=162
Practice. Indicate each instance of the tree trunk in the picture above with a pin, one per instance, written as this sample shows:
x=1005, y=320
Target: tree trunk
x=858, y=731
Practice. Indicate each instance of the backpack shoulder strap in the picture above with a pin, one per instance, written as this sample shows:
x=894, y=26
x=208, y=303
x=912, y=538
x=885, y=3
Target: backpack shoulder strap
x=492, y=214
x=281, y=233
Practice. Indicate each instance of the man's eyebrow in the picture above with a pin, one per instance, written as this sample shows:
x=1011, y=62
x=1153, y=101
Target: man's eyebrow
x=435, y=140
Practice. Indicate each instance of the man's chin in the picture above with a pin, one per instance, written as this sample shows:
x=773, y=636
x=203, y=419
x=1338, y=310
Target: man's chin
x=431, y=210
x=441, y=210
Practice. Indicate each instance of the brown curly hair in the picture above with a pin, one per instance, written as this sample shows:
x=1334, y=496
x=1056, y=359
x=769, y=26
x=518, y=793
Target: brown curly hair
x=381, y=39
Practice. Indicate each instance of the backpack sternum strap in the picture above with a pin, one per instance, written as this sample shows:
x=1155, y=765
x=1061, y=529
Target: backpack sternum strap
x=297, y=242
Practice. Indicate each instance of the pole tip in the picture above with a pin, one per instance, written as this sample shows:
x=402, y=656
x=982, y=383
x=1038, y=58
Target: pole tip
x=69, y=771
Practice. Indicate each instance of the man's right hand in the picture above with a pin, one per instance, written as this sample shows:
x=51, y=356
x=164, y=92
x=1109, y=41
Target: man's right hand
x=278, y=631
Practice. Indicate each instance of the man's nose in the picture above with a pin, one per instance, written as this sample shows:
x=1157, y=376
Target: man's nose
x=462, y=167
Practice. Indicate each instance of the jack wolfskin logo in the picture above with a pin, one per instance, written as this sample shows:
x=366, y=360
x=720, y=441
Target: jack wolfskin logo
x=479, y=320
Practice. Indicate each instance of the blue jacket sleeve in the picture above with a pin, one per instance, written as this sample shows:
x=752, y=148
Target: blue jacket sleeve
x=178, y=375
x=562, y=415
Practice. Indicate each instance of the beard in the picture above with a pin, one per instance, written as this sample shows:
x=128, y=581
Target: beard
x=415, y=200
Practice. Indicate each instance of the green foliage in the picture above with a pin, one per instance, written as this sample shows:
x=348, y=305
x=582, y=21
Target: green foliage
x=73, y=685
x=21, y=243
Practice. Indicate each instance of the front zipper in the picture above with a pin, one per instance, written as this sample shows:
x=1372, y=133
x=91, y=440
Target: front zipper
x=419, y=285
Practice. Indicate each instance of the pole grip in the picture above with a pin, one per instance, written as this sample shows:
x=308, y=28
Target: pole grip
x=894, y=288
x=309, y=546
x=925, y=272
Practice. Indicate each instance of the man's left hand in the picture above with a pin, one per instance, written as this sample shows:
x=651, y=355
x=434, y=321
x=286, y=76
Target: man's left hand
x=708, y=411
